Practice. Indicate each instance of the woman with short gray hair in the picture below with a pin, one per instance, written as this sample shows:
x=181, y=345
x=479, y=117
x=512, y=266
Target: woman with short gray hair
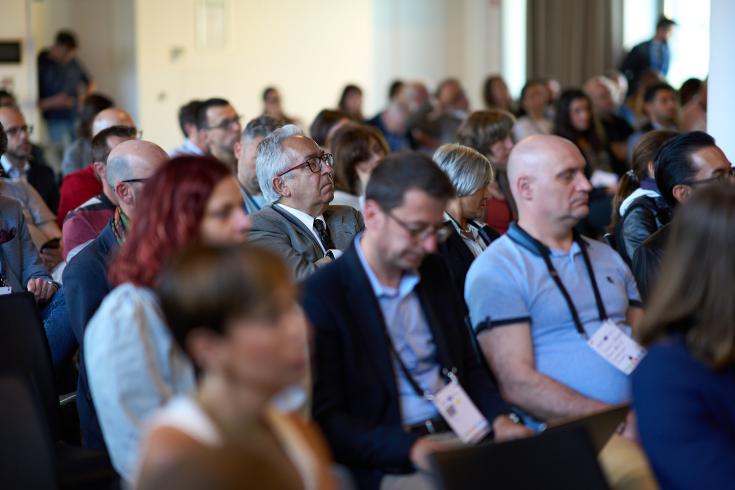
x=471, y=174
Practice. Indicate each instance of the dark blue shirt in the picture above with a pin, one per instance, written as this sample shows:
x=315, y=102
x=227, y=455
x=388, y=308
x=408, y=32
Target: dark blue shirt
x=57, y=78
x=686, y=418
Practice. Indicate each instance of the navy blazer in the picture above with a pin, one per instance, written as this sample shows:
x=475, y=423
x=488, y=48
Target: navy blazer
x=355, y=397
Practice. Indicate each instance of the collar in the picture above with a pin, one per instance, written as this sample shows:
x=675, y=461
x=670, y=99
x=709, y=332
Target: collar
x=191, y=148
x=252, y=203
x=305, y=218
x=409, y=280
x=10, y=169
x=525, y=240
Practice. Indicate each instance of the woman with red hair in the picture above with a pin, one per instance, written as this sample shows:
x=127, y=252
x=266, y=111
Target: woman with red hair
x=132, y=362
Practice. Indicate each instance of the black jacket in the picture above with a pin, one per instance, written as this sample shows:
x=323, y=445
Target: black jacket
x=355, y=399
x=647, y=261
x=644, y=217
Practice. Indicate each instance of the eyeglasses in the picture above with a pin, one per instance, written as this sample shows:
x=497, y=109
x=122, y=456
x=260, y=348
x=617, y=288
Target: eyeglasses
x=26, y=128
x=723, y=177
x=133, y=181
x=226, y=123
x=314, y=163
x=422, y=232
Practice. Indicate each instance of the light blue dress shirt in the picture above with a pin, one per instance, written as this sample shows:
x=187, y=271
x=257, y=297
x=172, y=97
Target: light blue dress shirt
x=413, y=340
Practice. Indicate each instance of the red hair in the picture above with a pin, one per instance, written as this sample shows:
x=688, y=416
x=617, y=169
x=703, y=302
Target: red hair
x=167, y=219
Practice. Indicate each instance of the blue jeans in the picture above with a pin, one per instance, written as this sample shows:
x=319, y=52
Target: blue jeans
x=61, y=339
x=60, y=131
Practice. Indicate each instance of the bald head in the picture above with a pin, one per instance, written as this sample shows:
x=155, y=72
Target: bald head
x=133, y=159
x=546, y=176
x=114, y=116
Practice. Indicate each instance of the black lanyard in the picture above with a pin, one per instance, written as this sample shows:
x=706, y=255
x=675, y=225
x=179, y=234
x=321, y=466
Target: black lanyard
x=527, y=241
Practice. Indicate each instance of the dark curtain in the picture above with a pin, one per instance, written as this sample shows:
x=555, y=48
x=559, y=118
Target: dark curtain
x=572, y=40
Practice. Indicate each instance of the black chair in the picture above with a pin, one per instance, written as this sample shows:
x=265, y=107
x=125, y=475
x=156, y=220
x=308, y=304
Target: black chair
x=28, y=459
x=26, y=351
x=559, y=460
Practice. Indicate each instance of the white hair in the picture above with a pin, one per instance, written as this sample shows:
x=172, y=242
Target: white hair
x=270, y=159
x=468, y=169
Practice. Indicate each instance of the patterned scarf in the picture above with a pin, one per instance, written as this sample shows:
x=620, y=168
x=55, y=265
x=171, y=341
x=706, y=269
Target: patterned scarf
x=120, y=225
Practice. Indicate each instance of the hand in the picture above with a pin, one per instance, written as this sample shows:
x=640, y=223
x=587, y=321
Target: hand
x=323, y=261
x=50, y=257
x=424, y=447
x=42, y=289
x=505, y=429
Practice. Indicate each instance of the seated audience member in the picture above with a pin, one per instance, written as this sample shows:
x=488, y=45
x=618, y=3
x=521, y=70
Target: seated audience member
x=79, y=153
x=539, y=292
x=489, y=132
x=388, y=328
x=574, y=121
x=272, y=106
x=661, y=109
x=638, y=208
x=234, y=312
x=471, y=176
x=245, y=149
x=496, y=95
x=694, y=113
x=297, y=180
x=350, y=103
x=38, y=217
x=357, y=150
x=133, y=365
x=684, y=389
x=614, y=130
x=688, y=90
x=21, y=268
x=682, y=164
x=220, y=125
x=392, y=122
x=437, y=120
x=84, y=184
x=325, y=124
x=532, y=111
x=18, y=162
x=85, y=278
x=194, y=139
x=84, y=223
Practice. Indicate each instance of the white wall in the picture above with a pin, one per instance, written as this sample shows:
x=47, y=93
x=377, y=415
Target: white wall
x=722, y=76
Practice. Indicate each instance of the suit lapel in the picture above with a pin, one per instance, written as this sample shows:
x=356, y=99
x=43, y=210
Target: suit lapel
x=299, y=227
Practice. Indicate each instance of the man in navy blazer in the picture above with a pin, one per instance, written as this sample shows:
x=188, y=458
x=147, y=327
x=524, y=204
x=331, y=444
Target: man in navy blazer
x=389, y=297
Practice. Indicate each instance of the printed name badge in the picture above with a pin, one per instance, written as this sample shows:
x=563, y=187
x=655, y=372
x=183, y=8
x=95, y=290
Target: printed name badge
x=616, y=347
x=460, y=412
x=5, y=290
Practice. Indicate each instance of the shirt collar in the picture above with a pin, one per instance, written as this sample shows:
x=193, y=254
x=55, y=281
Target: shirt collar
x=192, y=148
x=305, y=218
x=409, y=280
x=10, y=169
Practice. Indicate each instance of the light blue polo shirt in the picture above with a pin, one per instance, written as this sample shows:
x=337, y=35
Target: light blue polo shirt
x=509, y=283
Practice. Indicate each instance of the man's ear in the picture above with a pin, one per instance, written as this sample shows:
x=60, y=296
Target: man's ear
x=524, y=187
x=281, y=186
x=237, y=149
x=681, y=193
x=99, y=169
x=123, y=192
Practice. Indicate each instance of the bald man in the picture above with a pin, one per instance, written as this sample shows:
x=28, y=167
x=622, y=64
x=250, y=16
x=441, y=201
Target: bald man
x=19, y=161
x=82, y=187
x=533, y=300
x=129, y=165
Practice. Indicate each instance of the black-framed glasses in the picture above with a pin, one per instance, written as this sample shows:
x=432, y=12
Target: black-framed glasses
x=226, y=122
x=723, y=177
x=314, y=163
x=441, y=231
x=133, y=181
x=26, y=128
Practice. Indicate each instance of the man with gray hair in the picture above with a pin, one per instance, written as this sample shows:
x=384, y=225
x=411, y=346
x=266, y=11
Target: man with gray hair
x=297, y=180
x=255, y=131
x=129, y=165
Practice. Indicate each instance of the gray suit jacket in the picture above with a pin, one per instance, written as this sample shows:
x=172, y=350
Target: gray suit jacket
x=274, y=228
x=19, y=259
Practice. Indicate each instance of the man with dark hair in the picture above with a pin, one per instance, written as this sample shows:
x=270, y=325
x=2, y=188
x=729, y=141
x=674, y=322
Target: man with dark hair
x=84, y=223
x=18, y=162
x=61, y=79
x=653, y=53
x=220, y=123
x=682, y=164
x=394, y=89
x=245, y=149
x=389, y=336
x=194, y=139
x=662, y=109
